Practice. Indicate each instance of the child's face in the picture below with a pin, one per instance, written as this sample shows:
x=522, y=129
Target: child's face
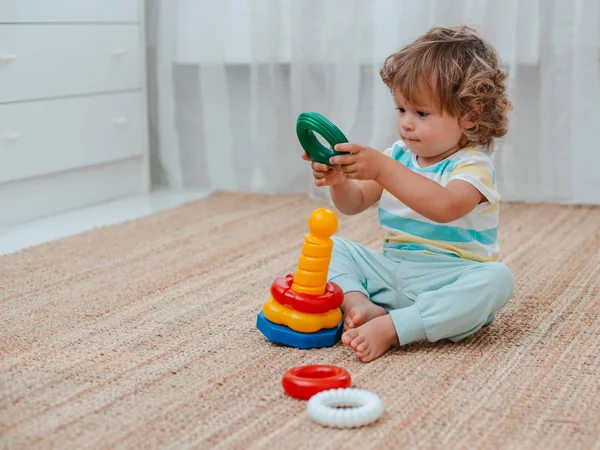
x=425, y=130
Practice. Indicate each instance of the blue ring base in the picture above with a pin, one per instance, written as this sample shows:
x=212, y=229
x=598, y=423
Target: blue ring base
x=286, y=336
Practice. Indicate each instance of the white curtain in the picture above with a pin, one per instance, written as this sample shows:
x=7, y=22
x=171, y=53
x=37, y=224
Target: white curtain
x=227, y=79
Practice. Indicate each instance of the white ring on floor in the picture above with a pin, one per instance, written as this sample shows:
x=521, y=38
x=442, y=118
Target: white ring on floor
x=366, y=407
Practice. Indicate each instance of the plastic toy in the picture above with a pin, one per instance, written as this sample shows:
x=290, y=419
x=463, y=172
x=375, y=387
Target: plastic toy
x=281, y=290
x=305, y=381
x=327, y=408
x=309, y=122
x=284, y=335
x=299, y=321
x=303, y=310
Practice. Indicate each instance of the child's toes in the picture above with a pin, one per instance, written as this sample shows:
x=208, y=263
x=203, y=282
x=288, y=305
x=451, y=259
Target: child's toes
x=362, y=347
x=366, y=358
x=348, y=323
x=358, y=340
x=356, y=317
x=362, y=356
x=349, y=335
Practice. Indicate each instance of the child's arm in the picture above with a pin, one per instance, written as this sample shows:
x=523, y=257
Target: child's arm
x=350, y=197
x=428, y=198
x=353, y=197
x=424, y=196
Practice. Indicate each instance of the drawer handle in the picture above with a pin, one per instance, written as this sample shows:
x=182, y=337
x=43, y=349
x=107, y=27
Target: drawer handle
x=117, y=51
x=7, y=58
x=11, y=136
x=120, y=120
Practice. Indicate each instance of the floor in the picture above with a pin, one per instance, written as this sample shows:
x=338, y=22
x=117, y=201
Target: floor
x=32, y=233
x=133, y=348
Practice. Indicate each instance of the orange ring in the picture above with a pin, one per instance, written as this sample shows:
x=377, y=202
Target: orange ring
x=305, y=381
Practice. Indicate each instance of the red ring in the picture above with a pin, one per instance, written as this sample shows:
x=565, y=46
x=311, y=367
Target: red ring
x=305, y=381
x=281, y=290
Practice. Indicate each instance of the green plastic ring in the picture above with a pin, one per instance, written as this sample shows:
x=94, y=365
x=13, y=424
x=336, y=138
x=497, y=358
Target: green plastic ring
x=307, y=124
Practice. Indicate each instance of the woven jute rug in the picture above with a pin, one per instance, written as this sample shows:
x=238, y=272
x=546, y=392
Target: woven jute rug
x=142, y=335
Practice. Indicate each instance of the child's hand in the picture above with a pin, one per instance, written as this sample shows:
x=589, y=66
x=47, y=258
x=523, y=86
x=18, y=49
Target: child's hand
x=362, y=163
x=325, y=175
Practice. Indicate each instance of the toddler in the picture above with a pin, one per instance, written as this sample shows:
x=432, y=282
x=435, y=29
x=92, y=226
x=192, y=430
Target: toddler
x=437, y=276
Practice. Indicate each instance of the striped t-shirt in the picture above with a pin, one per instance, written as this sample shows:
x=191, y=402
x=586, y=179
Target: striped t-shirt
x=473, y=236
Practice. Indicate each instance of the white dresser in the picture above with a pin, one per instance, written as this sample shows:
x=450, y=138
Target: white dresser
x=73, y=119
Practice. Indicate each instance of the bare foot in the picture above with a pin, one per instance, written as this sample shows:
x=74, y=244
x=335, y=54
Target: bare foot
x=358, y=309
x=372, y=339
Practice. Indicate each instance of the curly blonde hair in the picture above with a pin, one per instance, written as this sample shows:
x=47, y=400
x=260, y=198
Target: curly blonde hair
x=462, y=71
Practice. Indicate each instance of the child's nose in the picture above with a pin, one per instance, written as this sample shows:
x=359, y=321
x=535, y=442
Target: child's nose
x=407, y=124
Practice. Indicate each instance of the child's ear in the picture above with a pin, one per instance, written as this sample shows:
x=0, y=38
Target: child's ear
x=475, y=114
x=467, y=124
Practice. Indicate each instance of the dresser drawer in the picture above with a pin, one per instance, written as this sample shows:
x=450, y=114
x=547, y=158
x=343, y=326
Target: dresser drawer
x=55, y=135
x=34, y=198
x=38, y=61
x=19, y=11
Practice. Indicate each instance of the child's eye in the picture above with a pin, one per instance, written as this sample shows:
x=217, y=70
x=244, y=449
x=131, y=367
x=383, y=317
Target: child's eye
x=400, y=110
x=422, y=113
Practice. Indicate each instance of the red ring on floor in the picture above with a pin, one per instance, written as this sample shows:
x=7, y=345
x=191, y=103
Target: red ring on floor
x=305, y=381
x=281, y=290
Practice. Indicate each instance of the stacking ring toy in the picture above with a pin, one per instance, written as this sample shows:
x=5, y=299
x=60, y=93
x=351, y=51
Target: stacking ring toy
x=362, y=408
x=305, y=381
x=281, y=290
x=280, y=314
x=306, y=124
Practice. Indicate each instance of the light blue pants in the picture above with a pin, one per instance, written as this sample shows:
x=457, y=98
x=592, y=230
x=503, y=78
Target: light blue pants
x=428, y=296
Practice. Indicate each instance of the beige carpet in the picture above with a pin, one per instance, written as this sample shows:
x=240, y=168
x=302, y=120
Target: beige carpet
x=143, y=335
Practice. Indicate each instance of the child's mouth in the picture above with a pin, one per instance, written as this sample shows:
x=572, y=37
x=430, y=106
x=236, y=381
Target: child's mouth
x=410, y=139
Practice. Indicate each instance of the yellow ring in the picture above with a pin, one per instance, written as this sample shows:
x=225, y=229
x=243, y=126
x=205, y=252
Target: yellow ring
x=299, y=321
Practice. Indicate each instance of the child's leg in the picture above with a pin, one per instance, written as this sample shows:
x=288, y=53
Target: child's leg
x=452, y=300
x=366, y=276
x=455, y=306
